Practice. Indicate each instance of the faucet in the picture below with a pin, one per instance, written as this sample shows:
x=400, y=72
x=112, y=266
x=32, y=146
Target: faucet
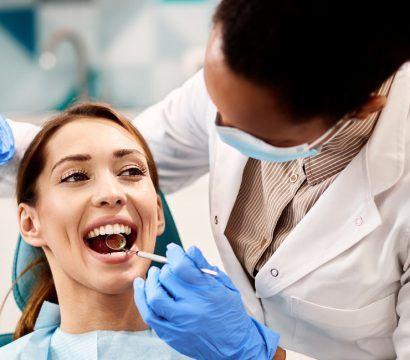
x=48, y=58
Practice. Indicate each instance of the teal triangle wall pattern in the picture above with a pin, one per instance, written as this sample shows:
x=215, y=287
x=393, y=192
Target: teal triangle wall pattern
x=21, y=25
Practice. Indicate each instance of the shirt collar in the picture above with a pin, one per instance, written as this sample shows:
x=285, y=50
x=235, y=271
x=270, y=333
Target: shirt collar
x=340, y=151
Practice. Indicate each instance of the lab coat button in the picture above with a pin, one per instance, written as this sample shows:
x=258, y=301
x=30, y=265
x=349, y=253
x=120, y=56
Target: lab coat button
x=293, y=178
x=359, y=221
x=274, y=272
x=216, y=220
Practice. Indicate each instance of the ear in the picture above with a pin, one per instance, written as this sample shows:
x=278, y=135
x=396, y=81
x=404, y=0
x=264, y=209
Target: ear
x=161, y=217
x=29, y=224
x=374, y=104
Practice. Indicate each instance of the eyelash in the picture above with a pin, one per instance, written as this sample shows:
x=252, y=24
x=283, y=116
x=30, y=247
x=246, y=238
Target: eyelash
x=141, y=170
x=73, y=173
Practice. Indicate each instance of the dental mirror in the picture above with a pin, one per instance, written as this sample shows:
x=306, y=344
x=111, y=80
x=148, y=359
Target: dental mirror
x=115, y=242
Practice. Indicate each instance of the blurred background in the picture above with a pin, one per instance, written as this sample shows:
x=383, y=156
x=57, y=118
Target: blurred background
x=126, y=52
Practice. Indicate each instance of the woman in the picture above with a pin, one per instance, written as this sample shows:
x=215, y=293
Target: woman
x=86, y=174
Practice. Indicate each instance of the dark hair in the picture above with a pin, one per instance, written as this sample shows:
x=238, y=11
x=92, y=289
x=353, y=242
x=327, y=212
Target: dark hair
x=30, y=169
x=323, y=58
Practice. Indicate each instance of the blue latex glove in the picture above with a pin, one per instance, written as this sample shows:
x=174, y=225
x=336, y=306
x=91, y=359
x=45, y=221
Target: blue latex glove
x=200, y=315
x=6, y=142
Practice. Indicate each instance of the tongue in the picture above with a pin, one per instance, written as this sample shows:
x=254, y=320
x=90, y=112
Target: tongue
x=98, y=244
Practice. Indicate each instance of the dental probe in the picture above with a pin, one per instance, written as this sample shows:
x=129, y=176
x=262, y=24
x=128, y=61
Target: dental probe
x=117, y=242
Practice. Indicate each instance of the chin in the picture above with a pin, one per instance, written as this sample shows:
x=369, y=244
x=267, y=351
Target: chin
x=114, y=283
x=112, y=286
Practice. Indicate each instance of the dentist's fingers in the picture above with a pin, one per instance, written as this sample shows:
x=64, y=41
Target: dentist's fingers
x=198, y=258
x=174, y=253
x=185, y=268
x=172, y=284
x=161, y=326
x=140, y=299
x=158, y=300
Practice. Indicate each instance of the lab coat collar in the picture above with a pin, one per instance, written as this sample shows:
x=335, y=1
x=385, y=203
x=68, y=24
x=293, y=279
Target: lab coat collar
x=225, y=183
x=385, y=159
x=342, y=216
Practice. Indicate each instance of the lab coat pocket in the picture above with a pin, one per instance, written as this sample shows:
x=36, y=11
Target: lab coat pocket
x=375, y=320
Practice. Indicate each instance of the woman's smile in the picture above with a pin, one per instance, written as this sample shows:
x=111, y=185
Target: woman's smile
x=95, y=236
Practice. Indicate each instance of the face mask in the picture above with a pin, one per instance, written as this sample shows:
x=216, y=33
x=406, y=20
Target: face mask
x=255, y=148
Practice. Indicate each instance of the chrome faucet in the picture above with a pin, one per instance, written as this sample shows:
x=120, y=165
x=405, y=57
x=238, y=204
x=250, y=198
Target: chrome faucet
x=48, y=58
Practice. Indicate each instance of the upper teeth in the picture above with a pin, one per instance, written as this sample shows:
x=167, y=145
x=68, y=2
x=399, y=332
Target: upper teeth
x=109, y=229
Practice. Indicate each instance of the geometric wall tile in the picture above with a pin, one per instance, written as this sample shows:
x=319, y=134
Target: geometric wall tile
x=20, y=24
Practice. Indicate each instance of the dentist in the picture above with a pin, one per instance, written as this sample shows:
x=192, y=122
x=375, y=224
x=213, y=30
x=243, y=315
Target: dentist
x=301, y=117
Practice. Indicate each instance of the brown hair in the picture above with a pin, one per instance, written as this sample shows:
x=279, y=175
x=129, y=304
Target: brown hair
x=30, y=169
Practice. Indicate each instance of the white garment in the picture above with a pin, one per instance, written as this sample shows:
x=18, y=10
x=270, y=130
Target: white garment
x=339, y=285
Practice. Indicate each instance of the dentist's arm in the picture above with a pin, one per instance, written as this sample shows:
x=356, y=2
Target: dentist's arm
x=176, y=130
x=199, y=315
x=14, y=139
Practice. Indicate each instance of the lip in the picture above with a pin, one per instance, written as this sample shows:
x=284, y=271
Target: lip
x=115, y=257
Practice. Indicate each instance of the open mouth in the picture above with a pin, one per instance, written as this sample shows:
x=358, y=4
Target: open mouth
x=96, y=238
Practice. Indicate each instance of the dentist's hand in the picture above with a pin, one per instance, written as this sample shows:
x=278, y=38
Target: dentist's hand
x=6, y=142
x=200, y=315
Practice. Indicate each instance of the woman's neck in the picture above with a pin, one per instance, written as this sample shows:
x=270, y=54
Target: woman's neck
x=84, y=310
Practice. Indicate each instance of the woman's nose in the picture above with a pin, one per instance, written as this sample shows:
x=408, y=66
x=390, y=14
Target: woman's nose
x=109, y=194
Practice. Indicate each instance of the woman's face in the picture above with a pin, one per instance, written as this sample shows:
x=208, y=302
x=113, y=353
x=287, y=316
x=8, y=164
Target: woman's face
x=95, y=181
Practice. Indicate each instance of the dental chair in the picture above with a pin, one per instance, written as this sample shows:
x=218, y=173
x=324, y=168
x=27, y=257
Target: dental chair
x=25, y=254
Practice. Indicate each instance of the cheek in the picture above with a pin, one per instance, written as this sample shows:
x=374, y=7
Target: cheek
x=59, y=218
x=145, y=202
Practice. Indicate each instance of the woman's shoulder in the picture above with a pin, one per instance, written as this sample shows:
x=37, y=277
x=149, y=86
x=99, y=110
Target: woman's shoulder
x=14, y=349
x=30, y=346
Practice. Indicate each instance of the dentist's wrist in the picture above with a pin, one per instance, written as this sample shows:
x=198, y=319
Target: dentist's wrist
x=280, y=354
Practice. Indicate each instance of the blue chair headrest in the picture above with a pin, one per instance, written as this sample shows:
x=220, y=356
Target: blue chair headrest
x=26, y=254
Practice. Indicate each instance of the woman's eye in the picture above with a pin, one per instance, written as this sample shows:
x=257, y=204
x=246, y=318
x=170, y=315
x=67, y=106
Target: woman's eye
x=132, y=172
x=75, y=177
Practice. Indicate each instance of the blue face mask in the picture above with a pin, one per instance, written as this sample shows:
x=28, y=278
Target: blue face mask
x=255, y=148
x=6, y=142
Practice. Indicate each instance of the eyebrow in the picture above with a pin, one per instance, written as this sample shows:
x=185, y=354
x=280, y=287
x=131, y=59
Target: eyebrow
x=124, y=152
x=76, y=157
x=85, y=157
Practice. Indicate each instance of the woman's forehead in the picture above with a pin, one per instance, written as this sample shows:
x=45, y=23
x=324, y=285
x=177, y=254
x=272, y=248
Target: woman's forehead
x=91, y=136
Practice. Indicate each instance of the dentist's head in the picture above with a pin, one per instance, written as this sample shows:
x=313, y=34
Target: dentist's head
x=286, y=72
x=88, y=173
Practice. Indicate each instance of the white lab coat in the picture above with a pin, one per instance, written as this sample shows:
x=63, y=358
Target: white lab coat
x=339, y=285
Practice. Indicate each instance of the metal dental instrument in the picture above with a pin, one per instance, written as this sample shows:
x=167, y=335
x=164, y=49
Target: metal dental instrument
x=117, y=242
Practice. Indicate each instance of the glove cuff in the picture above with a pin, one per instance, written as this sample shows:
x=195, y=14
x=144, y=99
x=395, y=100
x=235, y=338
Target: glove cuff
x=6, y=142
x=269, y=338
